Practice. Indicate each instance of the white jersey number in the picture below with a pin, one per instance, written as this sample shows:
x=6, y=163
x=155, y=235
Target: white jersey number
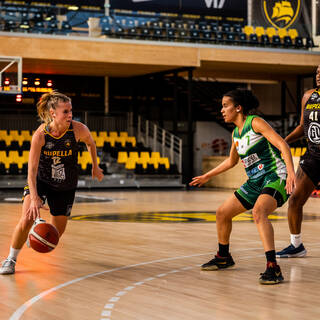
x=313, y=116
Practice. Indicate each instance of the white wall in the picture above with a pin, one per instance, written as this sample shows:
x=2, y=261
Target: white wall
x=205, y=134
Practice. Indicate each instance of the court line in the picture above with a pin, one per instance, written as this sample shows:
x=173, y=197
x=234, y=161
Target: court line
x=108, y=308
x=20, y=311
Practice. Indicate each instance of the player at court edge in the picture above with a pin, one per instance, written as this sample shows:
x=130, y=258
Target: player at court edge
x=308, y=173
x=52, y=170
x=270, y=180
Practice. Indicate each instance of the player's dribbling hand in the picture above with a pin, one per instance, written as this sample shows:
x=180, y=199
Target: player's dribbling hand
x=97, y=172
x=34, y=209
x=290, y=183
x=199, y=181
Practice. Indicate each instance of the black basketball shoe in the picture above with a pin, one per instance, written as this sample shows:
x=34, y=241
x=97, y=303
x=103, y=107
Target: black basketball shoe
x=218, y=263
x=272, y=275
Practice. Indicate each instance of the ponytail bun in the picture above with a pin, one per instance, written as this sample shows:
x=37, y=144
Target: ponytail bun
x=244, y=98
x=49, y=101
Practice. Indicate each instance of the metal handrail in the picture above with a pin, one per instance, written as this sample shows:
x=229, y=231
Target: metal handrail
x=160, y=140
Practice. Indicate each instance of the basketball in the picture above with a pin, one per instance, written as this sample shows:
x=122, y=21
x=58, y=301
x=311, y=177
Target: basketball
x=43, y=237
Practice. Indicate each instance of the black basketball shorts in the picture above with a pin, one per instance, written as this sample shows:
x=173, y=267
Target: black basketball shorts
x=59, y=202
x=310, y=165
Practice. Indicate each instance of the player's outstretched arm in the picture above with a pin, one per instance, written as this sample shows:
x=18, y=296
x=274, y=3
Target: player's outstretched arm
x=225, y=165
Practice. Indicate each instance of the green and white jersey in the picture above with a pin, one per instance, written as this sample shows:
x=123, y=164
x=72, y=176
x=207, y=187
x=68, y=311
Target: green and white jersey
x=257, y=154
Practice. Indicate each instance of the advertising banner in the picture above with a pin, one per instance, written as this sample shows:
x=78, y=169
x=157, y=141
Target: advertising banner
x=283, y=15
x=230, y=8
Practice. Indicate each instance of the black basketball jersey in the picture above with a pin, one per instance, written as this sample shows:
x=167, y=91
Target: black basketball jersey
x=58, y=160
x=311, y=123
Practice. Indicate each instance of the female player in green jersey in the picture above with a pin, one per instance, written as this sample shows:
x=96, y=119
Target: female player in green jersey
x=270, y=180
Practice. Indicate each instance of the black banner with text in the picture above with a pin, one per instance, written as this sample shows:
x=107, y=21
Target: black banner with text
x=224, y=8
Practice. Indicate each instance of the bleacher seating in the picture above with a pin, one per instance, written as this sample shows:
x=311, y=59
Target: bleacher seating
x=13, y=140
x=298, y=151
x=145, y=162
x=51, y=20
x=126, y=152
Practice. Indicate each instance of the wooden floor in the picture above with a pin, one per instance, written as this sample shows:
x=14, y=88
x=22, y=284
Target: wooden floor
x=150, y=270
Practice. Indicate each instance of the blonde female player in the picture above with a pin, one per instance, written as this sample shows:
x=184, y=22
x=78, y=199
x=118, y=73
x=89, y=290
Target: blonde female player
x=52, y=170
x=270, y=180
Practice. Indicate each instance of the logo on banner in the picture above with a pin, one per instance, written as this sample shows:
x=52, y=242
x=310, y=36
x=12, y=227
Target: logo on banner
x=216, y=4
x=281, y=14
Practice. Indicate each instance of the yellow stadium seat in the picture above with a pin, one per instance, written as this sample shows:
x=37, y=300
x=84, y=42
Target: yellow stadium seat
x=165, y=161
x=297, y=152
x=154, y=161
x=15, y=158
x=282, y=33
x=123, y=133
x=121, y=140
x=4, y=159
x=132, y=140
x=113, y=134
x=103, y=134
x=94, y=134
x=271, y=32
x=122, y=157
x=14, y=134
x=133, y=155
x=25, y=155
x=155, y=154
x=99, y=142
x=259, y=31
x=111, y=140
x=293, y=33
x=145, y=155
x=131, y=164
x=3, y=156
x=3, y=134
x=292, y=151
x=26, y=135
x=85, y=159
x=86, y=155
x=6, y=137
x=248, y=30
x=143, y=161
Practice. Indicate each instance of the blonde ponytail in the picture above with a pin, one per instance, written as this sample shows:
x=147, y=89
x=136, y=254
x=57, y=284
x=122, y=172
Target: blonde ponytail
x=47, y=101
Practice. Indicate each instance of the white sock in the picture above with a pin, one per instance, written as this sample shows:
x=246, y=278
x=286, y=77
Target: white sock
x=13, y=254
x=296, y=240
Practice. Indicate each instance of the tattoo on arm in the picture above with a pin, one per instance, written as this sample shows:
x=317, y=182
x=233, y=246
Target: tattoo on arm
x=300, y=174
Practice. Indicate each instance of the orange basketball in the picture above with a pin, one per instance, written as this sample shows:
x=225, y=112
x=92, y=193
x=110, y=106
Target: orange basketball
x=43, y=237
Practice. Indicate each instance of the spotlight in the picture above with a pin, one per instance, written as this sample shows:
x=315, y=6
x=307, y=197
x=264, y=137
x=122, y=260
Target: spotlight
x=19, y=98
x=37, y=82
x=73, y=8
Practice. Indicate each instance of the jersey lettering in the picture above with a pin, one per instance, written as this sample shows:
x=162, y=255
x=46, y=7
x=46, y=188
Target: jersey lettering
x=250, y=160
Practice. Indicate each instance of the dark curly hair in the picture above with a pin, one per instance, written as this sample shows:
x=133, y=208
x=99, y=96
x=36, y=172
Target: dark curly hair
x=245, y=98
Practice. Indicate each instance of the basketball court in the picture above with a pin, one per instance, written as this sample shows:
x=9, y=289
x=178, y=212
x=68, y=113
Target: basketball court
x=137, y=255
